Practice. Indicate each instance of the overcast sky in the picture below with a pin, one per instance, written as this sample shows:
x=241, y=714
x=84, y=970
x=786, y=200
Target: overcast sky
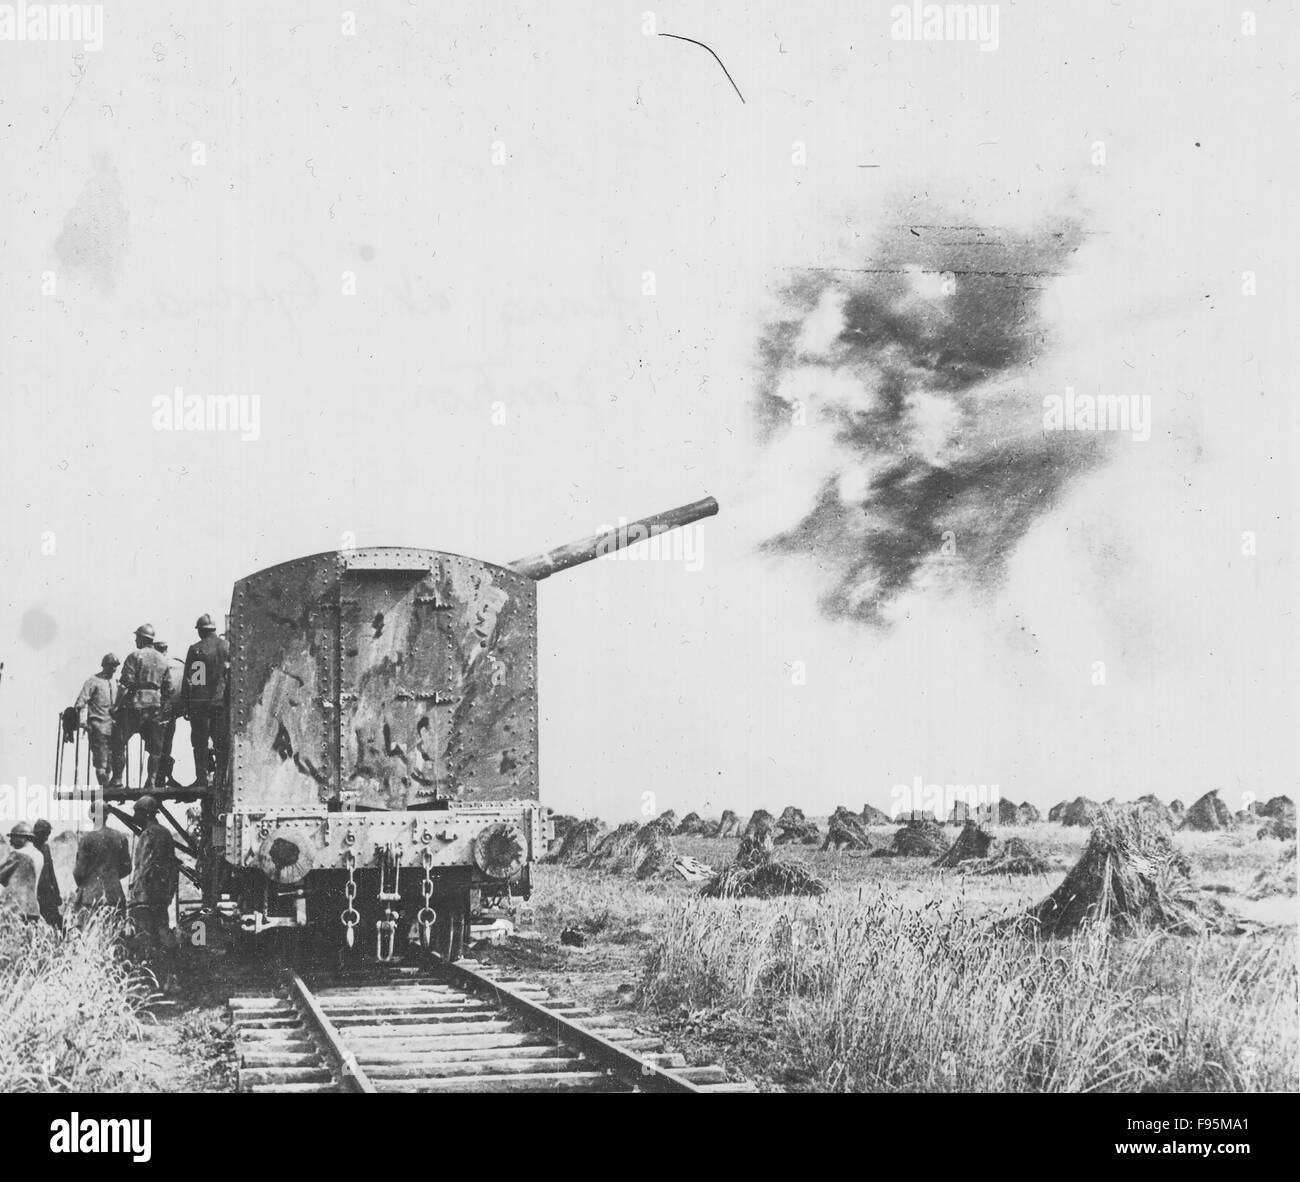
x=425, y=249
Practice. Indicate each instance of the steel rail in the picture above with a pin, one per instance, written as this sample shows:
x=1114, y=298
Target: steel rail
x=606, y=1055
x=352, y=1076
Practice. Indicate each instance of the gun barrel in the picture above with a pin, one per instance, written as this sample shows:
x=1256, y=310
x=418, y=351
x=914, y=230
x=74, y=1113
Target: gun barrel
x=540, y=566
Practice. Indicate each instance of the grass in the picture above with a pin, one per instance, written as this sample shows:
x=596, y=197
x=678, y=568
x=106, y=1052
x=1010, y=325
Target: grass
x=898, y=980
x=874, y=995
x=69, y=1009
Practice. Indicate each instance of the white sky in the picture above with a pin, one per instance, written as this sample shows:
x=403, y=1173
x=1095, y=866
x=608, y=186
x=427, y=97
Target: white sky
x=522, y=283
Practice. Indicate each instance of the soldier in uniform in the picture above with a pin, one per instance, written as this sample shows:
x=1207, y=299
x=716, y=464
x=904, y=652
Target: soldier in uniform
x=20, y=873
x=103, y=860
x=95, y=706
x=206, y=682
x=153, y=881
x=47, y=886
x=172, y=707
x=142, y=678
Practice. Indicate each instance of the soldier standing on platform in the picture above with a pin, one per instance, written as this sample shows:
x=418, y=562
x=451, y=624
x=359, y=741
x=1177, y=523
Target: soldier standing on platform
x=95, y=706
x=207, y=667
x=172, y=708
x=142, y=678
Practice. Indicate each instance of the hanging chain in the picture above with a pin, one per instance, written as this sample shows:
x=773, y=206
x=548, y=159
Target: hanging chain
x=386, y=926
x=426, y=915
x=351, y=916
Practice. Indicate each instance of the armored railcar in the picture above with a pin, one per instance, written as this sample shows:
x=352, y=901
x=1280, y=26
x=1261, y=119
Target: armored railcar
x=382, y=783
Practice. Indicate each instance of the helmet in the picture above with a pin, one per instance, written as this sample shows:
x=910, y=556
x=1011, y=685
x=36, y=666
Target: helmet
x=146, y=804
x=204, y=621
x=21, y=829
x=110, y=661
x=145, y=630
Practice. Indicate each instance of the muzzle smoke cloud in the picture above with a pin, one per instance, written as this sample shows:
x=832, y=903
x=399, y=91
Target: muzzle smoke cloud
x=921, y=367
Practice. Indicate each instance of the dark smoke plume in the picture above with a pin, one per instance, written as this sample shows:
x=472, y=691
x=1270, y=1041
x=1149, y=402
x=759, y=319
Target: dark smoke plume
x=920, y=364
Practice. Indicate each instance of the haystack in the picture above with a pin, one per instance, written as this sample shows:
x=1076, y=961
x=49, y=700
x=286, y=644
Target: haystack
x=729, y=826
x=691, y=825
x=580, y=839
x=560, y=825
x=916, y=839
x=665, y=822
x=1000, y=812
x=1027, y=814
x=643, y=851
x=792, y=827
x=758, y=818
x=758, y=874
x=1080, y=811
x=1278, y=806
x=1008, y=856
x=767, y=880
x=1131, y=876
x=1279, y=828
x=1152, y=801
x=874, y=816
x=756, y=845
x=972, y=842
x=844, y=831
x=1209, y=814
x=1057, y=811
x=1278, y=879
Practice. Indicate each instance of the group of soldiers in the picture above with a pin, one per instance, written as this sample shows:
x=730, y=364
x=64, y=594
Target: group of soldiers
x=148, y=698
x=150, y=695
x=104, y=859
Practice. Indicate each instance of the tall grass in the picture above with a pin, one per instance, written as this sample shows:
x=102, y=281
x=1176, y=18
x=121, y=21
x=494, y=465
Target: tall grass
x=874, y=995
x=68, y=1007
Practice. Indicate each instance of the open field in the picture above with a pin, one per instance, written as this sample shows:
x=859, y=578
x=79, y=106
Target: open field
x=897, y=980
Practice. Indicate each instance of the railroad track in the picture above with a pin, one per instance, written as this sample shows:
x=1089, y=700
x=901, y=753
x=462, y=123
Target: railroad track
x=460, y=1027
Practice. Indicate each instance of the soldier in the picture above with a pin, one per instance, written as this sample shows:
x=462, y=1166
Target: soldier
x=142, y=678
x=153, y=880
x=21, y=872
x=172, y=707
x=207, y=667
x=103, y=860
x=47, y=886
x=95, y=706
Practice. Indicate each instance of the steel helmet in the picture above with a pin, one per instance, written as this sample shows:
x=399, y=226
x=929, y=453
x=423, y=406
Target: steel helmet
x=21, y=829
x=110, y=661
x=204, y=621
x=145, y=630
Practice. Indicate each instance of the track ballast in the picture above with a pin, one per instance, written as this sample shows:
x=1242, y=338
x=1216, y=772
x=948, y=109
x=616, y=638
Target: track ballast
x=461, y=1027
